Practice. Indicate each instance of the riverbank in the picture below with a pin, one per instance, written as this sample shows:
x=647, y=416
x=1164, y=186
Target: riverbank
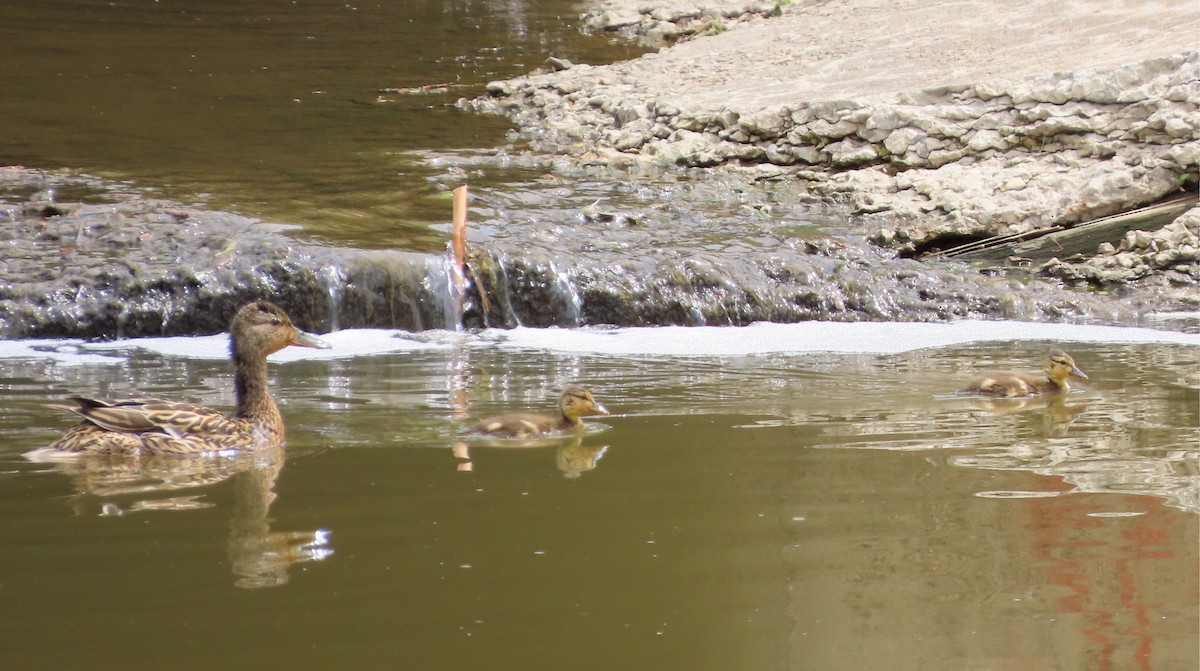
x=736, y=177
x=936, y=123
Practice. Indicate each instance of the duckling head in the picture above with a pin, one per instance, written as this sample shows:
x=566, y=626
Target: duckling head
x=1060, y=366
x=577, y=401
x=260, y=328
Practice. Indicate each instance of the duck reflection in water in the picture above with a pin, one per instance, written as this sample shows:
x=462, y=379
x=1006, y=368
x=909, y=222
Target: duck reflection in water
x=571, y=457
x=113, y=485
x=1007, y=392
x=1057, y=415
x=535, y=430
x=149, y=446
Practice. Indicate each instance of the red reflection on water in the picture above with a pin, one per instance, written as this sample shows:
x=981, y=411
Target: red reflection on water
x=1111, y=578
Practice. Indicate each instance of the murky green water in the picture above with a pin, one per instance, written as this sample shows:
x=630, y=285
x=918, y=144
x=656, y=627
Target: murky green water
x=779, y=511
x=277, y=108
x=783, y=511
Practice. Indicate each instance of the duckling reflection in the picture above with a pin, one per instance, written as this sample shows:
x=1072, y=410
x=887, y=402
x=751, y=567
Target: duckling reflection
x=534, y=430
x=572, y=458
x=1058, y=367
x=575, y=460
x=259, y=557
x=1057, y=415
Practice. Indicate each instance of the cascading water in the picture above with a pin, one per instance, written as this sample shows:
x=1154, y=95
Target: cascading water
x=189, y=270
x=442, y=289
x=333, y=279
x=568, y=296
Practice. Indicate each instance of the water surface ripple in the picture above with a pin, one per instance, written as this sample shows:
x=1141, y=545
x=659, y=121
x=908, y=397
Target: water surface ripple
x=761, y=498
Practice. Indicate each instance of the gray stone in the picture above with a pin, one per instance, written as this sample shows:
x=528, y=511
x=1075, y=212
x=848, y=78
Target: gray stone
x=902, y=139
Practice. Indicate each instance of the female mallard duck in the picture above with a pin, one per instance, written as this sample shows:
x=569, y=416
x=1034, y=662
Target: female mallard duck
x=574, y=402
x=1006, y=384
x=157, y=426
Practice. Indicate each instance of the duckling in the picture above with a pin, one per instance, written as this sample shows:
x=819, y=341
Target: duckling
x=574, y=402
x=158, y=426
x=1006, y=384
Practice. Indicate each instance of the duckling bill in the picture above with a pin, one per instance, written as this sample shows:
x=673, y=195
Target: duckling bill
x=159, y=426
x=1059, y=367
x=573, y=404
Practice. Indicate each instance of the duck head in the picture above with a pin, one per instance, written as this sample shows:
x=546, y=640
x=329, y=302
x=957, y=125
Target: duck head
x=577, y=401
x=261, y=328
x=1060, y=366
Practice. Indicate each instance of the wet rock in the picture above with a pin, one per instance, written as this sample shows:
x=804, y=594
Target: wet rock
x=673, y=261
x=1170, y=253
x=125, y=266
x=1067, y=131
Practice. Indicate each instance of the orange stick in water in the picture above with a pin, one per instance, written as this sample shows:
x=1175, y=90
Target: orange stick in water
x=459, y=236
x=458, y=244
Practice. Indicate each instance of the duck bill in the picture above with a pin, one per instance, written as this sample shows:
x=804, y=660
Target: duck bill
x=599, y=410
x=303, y=339
x=1075, y=372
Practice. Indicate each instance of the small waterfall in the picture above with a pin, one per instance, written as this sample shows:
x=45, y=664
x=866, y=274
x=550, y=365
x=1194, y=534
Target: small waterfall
x=392, y=289
x=122, y=319
x=333, y=279
x=514, y=290
x=562, y=286
x=440, y=288
x=502, y=278
x=523, y=287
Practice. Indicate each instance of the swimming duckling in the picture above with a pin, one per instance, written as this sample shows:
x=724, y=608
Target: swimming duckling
x=157, y=426
x=1007, y=384
x=574, y=402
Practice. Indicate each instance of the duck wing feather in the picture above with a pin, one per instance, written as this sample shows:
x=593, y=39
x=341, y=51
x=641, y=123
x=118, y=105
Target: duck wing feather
x=138, y=415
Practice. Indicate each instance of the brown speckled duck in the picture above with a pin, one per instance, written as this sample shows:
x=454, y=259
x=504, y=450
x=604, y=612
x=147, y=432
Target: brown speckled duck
x=157, y=426
x=574, y=402
x=1007, y=384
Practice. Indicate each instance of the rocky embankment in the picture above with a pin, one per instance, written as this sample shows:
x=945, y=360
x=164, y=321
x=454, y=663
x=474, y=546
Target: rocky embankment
x=121, y=265
x=930, y=124
x=940, y=123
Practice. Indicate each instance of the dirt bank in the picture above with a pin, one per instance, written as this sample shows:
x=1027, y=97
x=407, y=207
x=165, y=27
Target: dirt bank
x=938, y=122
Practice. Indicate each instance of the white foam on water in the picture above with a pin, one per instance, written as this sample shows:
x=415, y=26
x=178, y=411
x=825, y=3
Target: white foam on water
x=853, y=337
x=671, y=341
x=343, y=344
x=193, y=347
x=61, y=351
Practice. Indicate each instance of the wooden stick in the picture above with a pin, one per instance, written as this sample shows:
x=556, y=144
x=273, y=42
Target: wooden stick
x=458, y=244
x=459, y=237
